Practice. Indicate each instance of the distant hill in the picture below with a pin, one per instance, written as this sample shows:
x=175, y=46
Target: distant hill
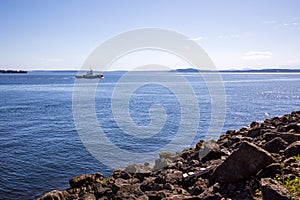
x=190, y=70
x=13, y=71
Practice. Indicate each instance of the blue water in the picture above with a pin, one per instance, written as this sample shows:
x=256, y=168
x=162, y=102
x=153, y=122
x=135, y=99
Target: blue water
x=40, y=148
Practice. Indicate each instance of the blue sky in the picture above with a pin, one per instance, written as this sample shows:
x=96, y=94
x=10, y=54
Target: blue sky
x=60, y=34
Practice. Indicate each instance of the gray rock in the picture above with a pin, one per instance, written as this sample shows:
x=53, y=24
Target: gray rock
x=87, y=196
x=212, y=193
x=293, y=149
x=161, y=163
x=242, y=163
x=210, y=151
x=129, y=192
x=55, y=195
x=271, y=189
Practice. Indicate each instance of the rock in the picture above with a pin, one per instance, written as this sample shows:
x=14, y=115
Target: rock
x=271, y=189
x=119, y=183
x=134, y=168
x=84, y=179
x=241, y=164
x=275, y=145
x=290, y=137
x=155, y=195
x=169, y=176
x=169, y=186
x=289, y=160
x=253, y=132
x=295, y=126
x=147, y=184
x=293, y=149
x=269, y=171
x=161, y=163
x=175, y=177
x=210, y=151
x=121, y=174
x=101, y=191
x=55, y=195
x=129, y=191
x=199, y=187
x=212, y=193
x=254, y=124
x=87, y=196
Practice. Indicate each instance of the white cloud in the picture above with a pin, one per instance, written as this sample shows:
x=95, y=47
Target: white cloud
x=197, y=38
x=257, y=55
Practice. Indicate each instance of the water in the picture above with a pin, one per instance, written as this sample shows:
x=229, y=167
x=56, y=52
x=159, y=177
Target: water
x=40, y=149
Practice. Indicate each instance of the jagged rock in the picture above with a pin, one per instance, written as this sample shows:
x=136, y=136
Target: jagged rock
x=55, y=195
x=169, y=186
x=147, y=184
x=290, y=137
x=121, y=174
x=161, y=163
x=289, y=161
x=253, y=132
x=269, y=171
x=275, y=145
x=293, y=149
x=129, y=191
x=212, y=193
x=169, y=176
x=199, y=187
x=101, y=191
x=84, y=179
x=87, y=196
x=210, y=151
x=271, y=189
x=241, y=164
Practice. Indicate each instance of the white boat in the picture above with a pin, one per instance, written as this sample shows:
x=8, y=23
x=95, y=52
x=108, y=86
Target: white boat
x=90, y=74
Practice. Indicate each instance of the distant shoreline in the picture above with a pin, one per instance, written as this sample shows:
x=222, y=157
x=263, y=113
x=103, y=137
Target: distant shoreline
x=13, y=71
x=190, y=70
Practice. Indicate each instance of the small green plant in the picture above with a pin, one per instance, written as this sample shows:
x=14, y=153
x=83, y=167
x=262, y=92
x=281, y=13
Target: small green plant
x=278, y=178
x=293, y=185
x=297, y=157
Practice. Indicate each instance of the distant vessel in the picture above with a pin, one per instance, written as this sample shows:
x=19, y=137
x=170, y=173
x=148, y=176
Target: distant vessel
x=90, y=74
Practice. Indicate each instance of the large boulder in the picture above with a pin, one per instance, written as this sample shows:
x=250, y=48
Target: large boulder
x=271, y=189
x=242, y=163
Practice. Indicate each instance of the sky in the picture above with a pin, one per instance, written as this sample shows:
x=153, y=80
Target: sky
x=61, y=34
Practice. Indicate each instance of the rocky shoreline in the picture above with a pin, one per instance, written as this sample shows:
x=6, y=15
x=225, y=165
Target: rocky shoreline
x=260, y=161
